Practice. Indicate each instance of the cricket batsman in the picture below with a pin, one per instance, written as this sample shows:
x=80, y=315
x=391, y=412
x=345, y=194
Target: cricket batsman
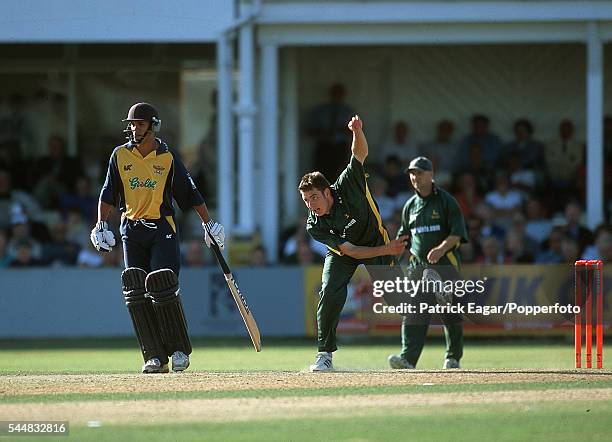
x=144, y=177
x=345, y=218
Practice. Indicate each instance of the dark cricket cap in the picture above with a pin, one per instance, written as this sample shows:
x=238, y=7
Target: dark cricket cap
x=141, y=112
x=420, y=163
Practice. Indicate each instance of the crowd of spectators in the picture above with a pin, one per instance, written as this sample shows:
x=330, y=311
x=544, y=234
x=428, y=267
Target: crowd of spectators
x=523, y=200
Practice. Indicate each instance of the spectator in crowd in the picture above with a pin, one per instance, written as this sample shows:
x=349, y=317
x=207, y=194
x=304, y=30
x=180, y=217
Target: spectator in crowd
x=259, y=257
x=522, y=179
x=60, y=250
x=538, y=225
x=90, y=258
x=519, y=227
x=602, y=249
x=468, y=254
x=503, y=199
x=386, y=204
x=474, y=226
x=489, y=227
x=570, y=249
x=490, y=143
x=552, y=248
x=564, y=155
x=475, y=166
x=442, y=151
x=5, y=259
x=76, y=229
x=400, y=144
x=574, y=227
x=516, y=249
x=398, y=187
x=492, y=252
x=21, y=231
x=304, y=255
x=194, y=254
x=82, y=198
x=11, y=198
x=467, y=194
x=327, y=127
x=529, y=151
x=55, y=173
x=291, y=244
x=24, y=256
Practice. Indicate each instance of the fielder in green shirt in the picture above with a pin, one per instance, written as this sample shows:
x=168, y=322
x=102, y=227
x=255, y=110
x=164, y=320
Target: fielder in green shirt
x=345, y=218
x=436, y=226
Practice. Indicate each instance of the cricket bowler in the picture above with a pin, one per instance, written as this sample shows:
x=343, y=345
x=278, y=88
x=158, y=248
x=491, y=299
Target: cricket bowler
x=144, y=176
x=345, y=218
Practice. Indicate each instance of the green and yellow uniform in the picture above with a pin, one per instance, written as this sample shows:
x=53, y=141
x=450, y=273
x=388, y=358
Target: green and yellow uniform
x=354, y=218
x=429, y=221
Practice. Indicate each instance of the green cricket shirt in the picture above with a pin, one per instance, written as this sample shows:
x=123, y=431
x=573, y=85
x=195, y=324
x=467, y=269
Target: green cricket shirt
x=354, y=216
x=429, y=221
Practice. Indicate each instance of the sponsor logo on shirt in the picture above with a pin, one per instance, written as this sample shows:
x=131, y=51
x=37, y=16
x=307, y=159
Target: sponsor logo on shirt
x=135, y=183
x=435, y=214
x=351, y=223
x=426, y=229
x=158, y=169
x=127, y=167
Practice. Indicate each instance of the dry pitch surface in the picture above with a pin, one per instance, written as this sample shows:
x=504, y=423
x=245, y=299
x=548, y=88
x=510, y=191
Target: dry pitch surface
x=287, y=406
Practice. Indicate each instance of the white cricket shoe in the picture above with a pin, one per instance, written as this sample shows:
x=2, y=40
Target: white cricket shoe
x=154, y=365
x=397, y=362
x=323, y=362
x=451, y=363
x=180, y=361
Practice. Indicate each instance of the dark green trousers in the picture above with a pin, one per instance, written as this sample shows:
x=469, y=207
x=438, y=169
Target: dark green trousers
x=337, y=273
x=413, y=340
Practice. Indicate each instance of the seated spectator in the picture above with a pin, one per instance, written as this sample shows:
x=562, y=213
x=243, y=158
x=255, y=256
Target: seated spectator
x=602, y=249
x=400, y=144
x=574, y=227
x=538, y=225
x=76, y=230
x=300, y=234
x=516, y=249
x=523, y=179
x=10, y=197
x=259, y=257
x=24, y=256
x=489, y=227
x=55, y=173
x=476, y=168
x=490, y=143
x=442, y=151
x=570, y=249
x=81, y=198
x=492, y=252
x=304, y=255
x=467, y=194
x=21, y=229
x=530, y=152
x=90, y=258
x=60, y=251
x=519, y=227
x=563, y=157
x=474, y=226
x=468, y=254
x=551, y=253
x=386, y=204
x=397, y=181
x=504, y=200
x=5, y=259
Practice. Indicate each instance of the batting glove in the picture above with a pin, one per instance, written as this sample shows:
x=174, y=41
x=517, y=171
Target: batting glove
x=216, y=231
x=102, y=238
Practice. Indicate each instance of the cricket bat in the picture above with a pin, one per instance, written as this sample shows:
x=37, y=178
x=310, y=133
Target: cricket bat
x=243, y=308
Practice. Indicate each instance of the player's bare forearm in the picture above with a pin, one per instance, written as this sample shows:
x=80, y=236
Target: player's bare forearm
x=440, y=250
x=202, y=211
x=103, y=210
x=359, y=147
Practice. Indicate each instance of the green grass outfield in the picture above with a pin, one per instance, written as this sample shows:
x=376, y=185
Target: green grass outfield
x=466, y=410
